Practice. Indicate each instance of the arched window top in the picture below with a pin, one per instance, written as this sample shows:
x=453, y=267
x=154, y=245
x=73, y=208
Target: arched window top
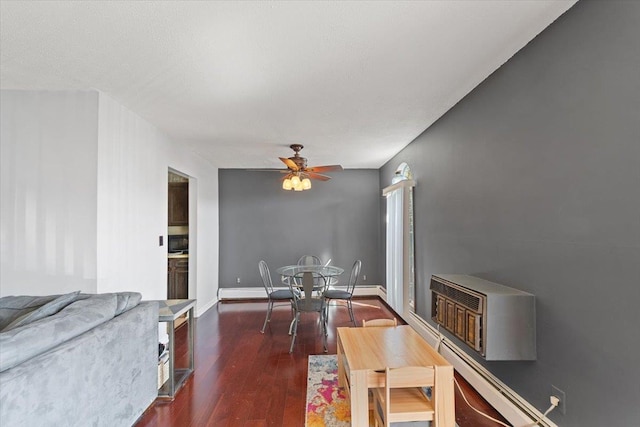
x=403, y=172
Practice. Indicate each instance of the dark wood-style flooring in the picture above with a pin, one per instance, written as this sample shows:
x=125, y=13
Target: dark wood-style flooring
x=246, y=379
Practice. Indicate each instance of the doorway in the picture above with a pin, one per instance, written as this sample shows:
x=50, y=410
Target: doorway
x=178, y=236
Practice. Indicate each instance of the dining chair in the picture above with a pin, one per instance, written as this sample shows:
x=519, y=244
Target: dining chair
x=403, y=397
x=346, y=294
x=332, y=281
x=273, y=295
x=312, y=260
x=309, y=260
x=379, y=322
x=304, y=302
x=305, y=260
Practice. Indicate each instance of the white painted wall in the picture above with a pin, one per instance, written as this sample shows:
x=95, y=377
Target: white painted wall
x=84, y=199
x=48, y=192
x=132, y=202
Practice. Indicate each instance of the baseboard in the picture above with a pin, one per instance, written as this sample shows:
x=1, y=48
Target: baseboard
x=201, y=310
x=242, y=293
x=507, y=402
x=368, y=291
x=260, y=293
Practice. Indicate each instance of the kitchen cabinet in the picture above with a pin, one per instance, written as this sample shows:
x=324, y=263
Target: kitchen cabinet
x=178, y=203
x=178, y=278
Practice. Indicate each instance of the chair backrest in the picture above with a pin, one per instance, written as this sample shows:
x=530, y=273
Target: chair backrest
x=266, y=276
x=416, y=378
x=304, y=301
x=379, y=322
x=410, y=376
x=295, y=291
x=309, y=260
x=353, y=278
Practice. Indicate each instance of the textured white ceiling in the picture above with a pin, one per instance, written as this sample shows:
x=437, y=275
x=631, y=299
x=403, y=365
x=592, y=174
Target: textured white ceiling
x=237, y=82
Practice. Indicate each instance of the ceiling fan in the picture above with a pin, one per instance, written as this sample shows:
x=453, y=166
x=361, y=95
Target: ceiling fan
x=298, y=175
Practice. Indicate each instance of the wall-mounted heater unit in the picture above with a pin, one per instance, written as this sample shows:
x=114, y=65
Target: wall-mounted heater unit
x=497, y=321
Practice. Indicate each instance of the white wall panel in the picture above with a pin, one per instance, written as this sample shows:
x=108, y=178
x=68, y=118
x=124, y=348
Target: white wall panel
x=48, y=197
x=132, y=202
x=84, y=199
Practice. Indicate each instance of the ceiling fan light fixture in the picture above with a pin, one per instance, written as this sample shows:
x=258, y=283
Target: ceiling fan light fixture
x=298, y=176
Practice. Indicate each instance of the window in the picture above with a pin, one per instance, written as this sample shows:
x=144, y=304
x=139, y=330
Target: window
x=400, y=258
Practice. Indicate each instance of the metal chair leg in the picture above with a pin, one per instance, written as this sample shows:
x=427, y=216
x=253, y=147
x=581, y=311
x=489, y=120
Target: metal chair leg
x=323, y=318
x=326, y=311
x=268, y=317
x=326, y=317
x=353, y=318
x=295, y=332
x=324, y=341
x=293, y=321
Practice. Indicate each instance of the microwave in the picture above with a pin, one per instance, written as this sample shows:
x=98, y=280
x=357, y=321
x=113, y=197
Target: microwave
x=178, y=243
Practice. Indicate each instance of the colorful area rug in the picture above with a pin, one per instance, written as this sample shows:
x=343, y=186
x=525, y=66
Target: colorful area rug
x=327, y=404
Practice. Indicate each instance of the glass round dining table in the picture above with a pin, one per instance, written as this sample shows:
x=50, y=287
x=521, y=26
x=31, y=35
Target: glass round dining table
x=309, y=303
x=307, y=272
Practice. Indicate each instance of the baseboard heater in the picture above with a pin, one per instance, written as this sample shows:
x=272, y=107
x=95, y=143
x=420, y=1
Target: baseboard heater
x=496, y=321
x=510, y=404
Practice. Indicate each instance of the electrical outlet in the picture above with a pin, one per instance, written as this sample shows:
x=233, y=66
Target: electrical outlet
x=237, y=280
x=562, y=406
x=364, y=277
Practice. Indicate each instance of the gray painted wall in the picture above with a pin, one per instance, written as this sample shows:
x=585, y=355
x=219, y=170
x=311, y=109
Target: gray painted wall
x=533, y=181
x=337, y=219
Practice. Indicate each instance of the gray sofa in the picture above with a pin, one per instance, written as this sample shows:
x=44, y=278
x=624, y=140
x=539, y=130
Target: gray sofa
x=77, y=359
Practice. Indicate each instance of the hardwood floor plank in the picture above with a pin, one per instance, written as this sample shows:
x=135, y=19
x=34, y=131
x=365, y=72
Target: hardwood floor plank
x=245, y=378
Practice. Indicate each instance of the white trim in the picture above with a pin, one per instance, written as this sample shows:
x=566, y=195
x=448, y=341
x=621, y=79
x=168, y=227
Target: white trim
x=368, y=291
x=405, y=183
x=507, y=402
x=242, y=293
x=513, y=407
x=260, y=293
x=200, y=310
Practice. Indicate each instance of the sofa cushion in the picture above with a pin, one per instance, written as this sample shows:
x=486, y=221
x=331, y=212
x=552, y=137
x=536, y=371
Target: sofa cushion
x=12, y=307
x=126, y=301
x=24, y=342
x=48, y=309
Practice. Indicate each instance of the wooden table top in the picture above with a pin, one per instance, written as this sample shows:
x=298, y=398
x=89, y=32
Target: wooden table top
x=376, y=348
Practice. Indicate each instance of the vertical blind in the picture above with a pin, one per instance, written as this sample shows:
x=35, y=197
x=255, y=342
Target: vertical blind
x=395, y=249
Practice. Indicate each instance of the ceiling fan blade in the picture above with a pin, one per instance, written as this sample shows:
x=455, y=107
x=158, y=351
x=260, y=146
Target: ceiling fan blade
x=290, y=163
x=269, y=170
x=327, y=168
x=321, y=177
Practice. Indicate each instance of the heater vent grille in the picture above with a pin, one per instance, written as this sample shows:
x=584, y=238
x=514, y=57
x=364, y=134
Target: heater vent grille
x=458, y=295
x=496, y=321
